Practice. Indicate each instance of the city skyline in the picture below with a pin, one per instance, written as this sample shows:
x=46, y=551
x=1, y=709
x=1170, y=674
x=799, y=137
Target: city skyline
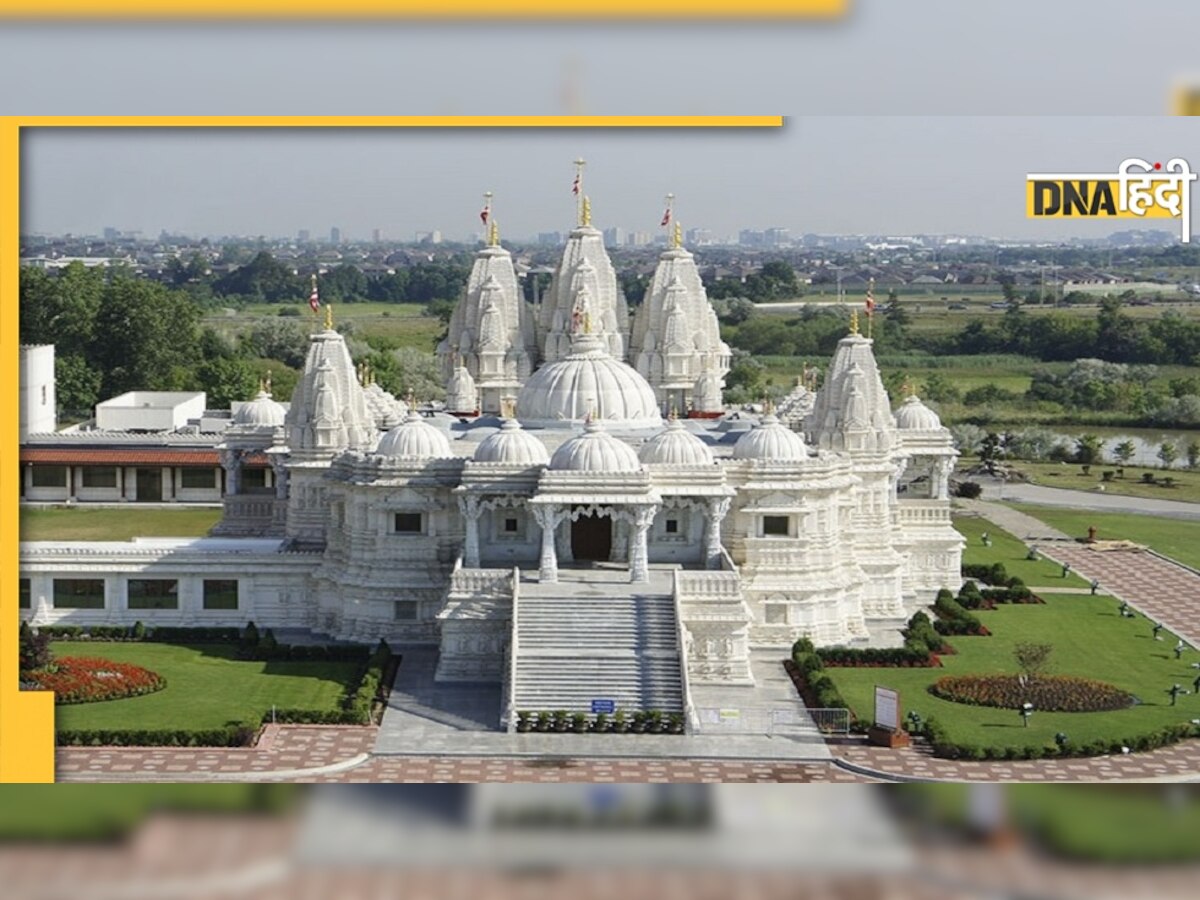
x=825, y=175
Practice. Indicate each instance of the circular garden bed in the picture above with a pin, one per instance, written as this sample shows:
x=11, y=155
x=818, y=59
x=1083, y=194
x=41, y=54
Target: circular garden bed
x=85, y=679
x=1049, y=693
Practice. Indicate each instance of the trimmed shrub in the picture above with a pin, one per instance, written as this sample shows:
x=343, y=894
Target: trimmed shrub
x=969, y=490
x=237, y=734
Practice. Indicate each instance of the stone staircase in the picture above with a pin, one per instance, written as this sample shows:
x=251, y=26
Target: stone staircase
x=594, y=636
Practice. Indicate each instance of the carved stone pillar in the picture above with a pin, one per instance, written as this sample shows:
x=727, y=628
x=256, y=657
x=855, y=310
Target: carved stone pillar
x=718, y=507
x=639, y=552
x=231, y=462
x=469, y=505
x=547, y=517
x=942, y=470
x=279, y=467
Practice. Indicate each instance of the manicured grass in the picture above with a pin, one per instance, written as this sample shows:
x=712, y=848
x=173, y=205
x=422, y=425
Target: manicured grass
x=107, y=524
x=1176, y=538
x=1186, y=484
x=63, y=812
x=1087, y=822
x=1090, y=640
x=1012, y=552
x=207, y=687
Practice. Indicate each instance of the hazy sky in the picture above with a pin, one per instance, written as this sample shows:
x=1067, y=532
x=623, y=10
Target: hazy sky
x=825, y=174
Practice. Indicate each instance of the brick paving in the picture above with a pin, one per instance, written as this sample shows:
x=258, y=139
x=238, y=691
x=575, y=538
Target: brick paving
x=1163, y=590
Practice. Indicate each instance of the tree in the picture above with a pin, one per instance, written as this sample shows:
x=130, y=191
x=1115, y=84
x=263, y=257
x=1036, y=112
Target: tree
x=1193, y=453
x=991, y=450
x=1167, y=454
x=1089, y=448
x=746, y=380
x=281, y=339
x=1032, y=658
x=226, y=380
x=940, y=389
x=34, y=649
x=1124, y=452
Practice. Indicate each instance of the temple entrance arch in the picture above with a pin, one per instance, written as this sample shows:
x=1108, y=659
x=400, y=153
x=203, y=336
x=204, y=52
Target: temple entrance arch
x=592, y=537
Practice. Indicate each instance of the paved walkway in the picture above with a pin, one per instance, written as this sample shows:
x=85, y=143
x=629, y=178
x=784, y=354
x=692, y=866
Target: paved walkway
x=1015, y=522
x=1095, y=501
x=1163, y=590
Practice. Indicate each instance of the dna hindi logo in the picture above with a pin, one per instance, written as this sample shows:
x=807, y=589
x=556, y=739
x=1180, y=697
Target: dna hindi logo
x=1137, y=190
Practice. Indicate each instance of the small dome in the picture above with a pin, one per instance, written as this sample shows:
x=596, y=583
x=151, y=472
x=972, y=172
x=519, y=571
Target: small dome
x=414, y=438
x=595, y=451
x=913, y=415
x=676, y=446
x=588, y=381
x=513, y=445
x=771, y=441
x=261, y=412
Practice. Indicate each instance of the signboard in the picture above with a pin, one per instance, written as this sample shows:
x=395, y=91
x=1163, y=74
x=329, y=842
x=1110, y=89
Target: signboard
x=887, y=708
x=604, y=706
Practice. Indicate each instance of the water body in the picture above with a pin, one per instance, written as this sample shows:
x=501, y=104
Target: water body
x=1146, y=442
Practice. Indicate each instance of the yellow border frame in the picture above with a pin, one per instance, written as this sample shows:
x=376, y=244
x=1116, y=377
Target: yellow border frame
x=419, y=9
x=27, y=719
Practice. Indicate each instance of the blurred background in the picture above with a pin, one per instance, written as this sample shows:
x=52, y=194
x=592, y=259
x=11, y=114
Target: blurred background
x=927, y=57
x=744, y=841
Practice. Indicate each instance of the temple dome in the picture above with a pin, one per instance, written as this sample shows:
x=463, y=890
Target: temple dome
x=414, y=438
x=913, y=415
x=589, y=381
x=676, y=446
x=261, y=412
x=771, y=441
x=595, y=450
x=512, y=445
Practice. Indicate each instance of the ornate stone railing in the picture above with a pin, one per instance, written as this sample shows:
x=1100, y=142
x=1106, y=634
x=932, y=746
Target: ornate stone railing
x=484, y=582
x=707, y=585
x=249, y=507
x=924, y=512
x=689, y=710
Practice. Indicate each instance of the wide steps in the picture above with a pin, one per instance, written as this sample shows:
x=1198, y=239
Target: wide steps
x=573, y=648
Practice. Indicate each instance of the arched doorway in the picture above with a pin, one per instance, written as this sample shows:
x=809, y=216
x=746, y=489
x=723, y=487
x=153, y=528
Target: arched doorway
x=591, y=538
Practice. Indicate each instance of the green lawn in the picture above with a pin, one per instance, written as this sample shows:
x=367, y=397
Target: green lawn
x=1090, y=640
x=1085, y=821
x=1186, y=484
x=107, y=524
x=1012, y=552
x=1176, y=538
x=206, y=687
x=64, y=812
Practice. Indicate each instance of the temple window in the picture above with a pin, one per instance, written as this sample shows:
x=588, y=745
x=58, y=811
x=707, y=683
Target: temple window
x=672, y=526
x=220, y=593
x=407, y=523
x=79, y=593
x=775, y=526
x=405, y=610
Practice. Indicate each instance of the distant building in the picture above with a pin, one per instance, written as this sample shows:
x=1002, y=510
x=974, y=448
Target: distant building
x=615, y=237
x=640, y=239
x=377, y=235
x=551, y=238
x=335, y=235
x=303, y=236
x=37, y=403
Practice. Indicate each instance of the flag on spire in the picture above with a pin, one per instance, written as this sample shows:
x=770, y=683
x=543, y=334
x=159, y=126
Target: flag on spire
x=666, y=219
x=314, y=299
x=487, y=208
x=871, y=298
x=483, y=215
x=575, y=186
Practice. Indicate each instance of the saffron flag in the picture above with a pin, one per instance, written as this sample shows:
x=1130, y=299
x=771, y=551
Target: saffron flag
x=314, y=300
x=666, y=219
x=870, y=303
x=575, y=186
x=483, y=214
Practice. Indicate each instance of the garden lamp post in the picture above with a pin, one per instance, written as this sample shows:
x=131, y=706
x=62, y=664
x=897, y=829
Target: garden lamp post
x=1157, y=628
x=1175, y=690
x=1026, y=712
x=1032, y=555
x=914, y=718
x=1061, y=740
x=1179, y=648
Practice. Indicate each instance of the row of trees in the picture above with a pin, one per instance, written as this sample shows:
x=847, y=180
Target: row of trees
x=1042, y=445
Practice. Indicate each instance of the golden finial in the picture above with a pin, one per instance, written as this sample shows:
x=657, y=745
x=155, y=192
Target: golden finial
x=585, y=217
x=854, y=321
x=587, y=321
x=329, y=317
x=262, y=385
x=907, y=389
x=673, y=414
x=360, y=370
x=677, y=239
x=268, y=381
x=494, y=235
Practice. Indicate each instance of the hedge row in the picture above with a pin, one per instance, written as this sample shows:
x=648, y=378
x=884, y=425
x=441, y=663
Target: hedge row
x=922, y=645
x=358, y=703
x=239, y=734
x=942, y=746
x=953, y=617
x=970, y=596
x=138, y=632
x=817, y=688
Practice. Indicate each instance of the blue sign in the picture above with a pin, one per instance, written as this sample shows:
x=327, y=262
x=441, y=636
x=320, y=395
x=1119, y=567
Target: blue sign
x=604, y=706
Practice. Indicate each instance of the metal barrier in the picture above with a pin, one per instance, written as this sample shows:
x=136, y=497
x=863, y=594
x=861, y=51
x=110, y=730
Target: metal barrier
x=771, y=720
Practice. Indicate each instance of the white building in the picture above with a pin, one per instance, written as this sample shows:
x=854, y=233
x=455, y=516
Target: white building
x=582, y=543
x=38, y=412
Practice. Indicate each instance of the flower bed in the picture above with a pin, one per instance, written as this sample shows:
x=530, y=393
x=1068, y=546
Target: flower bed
x=640, y=722
x=85, y=679
x=1049, y=693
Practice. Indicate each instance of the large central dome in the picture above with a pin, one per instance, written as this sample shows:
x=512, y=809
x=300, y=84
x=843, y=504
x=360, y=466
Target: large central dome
x=588, y=381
